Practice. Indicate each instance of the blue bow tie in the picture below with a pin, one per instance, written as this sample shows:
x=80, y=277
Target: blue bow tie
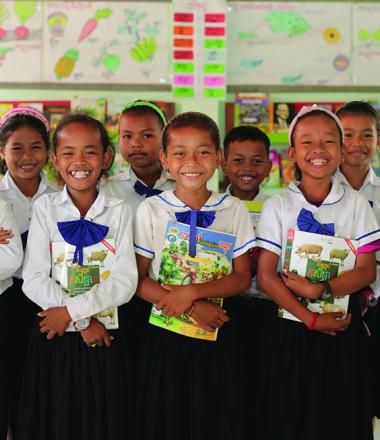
x=81, y=233
x=195, y=218
x=144, y=190
x=307, y=223
x=24, y=239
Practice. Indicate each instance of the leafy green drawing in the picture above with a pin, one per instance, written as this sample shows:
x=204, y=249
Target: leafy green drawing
x=25, y=9
x=289, y=80
x=289, y=22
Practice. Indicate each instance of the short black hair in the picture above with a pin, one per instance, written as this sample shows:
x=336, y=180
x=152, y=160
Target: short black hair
x=141, y=109
x=245, y=133
x=80, y=118
x=359, y=108
x=192, y=119
x=16, y=122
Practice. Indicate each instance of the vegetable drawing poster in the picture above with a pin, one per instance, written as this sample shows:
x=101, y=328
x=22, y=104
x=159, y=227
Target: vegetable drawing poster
x=289, y=43
x=20, y=40
x=105, y=41
x=366, y=43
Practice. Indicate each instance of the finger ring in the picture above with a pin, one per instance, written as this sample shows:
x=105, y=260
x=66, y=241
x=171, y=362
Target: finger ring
x=95, y=344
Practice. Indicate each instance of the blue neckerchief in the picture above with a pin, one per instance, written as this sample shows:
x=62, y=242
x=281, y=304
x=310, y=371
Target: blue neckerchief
x=144, y=190
x=24, y=239
x=307, y=223
x=81, y=233
x=195, y=218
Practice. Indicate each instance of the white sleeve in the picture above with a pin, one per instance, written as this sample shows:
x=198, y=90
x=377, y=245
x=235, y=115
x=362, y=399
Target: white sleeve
x=143, y=231
x=269, y=231
x=244, y=231
x=366, y=226
x=11, y=254
x=120, y=286
x=38, y=285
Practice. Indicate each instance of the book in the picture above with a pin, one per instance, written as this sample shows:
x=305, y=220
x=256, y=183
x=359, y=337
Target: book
x=254, y=209
x=212, y=261
x=319, y=258
x=254, y=109
x=75, y=279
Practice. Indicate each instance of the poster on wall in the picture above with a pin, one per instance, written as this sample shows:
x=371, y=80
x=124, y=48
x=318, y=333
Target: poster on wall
x=366, y=43
x=199, y=49
x=106, y=42
x=20, y=40
x=266, y=39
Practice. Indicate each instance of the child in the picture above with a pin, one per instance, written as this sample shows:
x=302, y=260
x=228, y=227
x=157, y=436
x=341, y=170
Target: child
x=314, y=385
x=361, y=129
x=194, y=382
x=10, y=260
x=140, y=127
x=73, y=386
x=24, y=145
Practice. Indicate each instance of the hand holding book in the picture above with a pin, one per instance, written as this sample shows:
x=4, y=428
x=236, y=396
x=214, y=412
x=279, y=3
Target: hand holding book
x=208, y=315
x=301, y=286
x=96, y=333
x=177, y=300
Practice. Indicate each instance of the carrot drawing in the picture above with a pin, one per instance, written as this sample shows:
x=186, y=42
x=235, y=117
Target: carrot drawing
x=91, y=23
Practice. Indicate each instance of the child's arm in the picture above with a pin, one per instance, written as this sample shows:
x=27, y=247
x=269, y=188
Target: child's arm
x=349, y=282
x=180, y=298
x=11, y=254
x=272, y=284
x=208, y=315
x=96, y=334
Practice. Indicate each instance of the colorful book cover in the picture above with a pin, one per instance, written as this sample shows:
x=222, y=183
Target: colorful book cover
x=212, y=261
x=254, y=209
x=254, y=109
x=274, y=178
x=75, y=280
x=319, y=258
x=283, y=114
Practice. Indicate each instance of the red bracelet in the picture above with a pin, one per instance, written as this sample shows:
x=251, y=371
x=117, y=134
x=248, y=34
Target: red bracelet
x=313, y=322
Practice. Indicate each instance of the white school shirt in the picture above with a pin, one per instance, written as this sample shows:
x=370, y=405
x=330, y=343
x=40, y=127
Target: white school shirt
x=10, y=254
x=349, y=211
x=121, y=186
x=371, y=191
x=115, y=290
x=254, y=290
x=153, y=214
x=22, y=205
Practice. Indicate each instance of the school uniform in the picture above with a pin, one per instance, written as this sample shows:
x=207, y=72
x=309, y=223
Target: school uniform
x=371, y=191
x=14, y=298
x=129, y=187
x=315, y=386
x=196, y=383
x=82, y=392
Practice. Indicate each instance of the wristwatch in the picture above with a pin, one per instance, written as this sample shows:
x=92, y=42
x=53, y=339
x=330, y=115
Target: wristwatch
x=326, y=292
x=82, y=324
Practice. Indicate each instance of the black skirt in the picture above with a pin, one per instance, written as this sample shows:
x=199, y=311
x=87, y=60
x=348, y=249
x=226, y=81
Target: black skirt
x=17, y=313
x=189, y=388
x=71, y=391
x=313, y=386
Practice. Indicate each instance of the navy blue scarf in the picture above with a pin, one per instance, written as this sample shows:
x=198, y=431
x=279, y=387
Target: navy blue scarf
x=307, y=223
x=81, y=233
x=194, y=218
x=144, y=190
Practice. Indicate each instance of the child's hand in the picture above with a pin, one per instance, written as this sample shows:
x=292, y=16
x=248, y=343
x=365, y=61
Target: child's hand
x=177, y=300
x=208, y=315
x=5, y=235
x=55, y=320
x=330, y=323
x=301, y=286
x=96, y=334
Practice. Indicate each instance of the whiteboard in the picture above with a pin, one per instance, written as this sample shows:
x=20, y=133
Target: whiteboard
x=106, y=42
x=366, y=43
x=20, y=41
x=289, y=43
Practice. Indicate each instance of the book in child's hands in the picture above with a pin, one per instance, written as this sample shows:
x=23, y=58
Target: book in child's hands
x=212, y=261
x=75, y=279
x=319, y=258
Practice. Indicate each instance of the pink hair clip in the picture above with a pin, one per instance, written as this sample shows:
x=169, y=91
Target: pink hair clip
x=28, y=111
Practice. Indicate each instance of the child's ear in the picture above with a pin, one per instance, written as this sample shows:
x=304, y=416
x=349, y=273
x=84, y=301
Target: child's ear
x=2, y=155
x=268, y=167
x=343, y=153
x=224, y=166
x=291, y=153
x=164, y=160
x=107, y=158
x=219, y=157
x=54, y=161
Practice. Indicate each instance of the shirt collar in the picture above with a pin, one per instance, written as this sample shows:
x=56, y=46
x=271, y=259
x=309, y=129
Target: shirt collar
x=260, y=196
x=8, y=183
x=130, y=175
x=172, y=203
x=335, y=195
x=370, y=179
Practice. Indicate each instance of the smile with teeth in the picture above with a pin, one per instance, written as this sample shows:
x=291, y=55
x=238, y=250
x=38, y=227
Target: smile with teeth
x=27, y=167
x=191, y=174
x=318, y=162
x=246, y=178
x=79, y=174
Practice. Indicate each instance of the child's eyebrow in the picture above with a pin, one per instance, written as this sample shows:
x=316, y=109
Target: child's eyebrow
x=124, y=130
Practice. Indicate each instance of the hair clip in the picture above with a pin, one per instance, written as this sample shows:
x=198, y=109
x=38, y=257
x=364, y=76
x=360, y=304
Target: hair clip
x=140, y=103
x=27, y=111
